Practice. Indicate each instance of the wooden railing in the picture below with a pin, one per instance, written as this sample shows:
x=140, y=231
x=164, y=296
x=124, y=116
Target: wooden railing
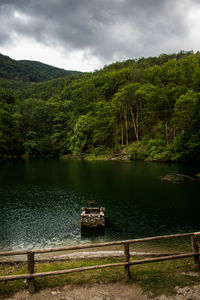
x=30, y=276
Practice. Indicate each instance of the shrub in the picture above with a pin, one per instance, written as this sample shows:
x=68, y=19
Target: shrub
x=138, y=152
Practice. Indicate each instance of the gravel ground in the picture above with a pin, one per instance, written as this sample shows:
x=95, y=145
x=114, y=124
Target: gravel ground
x=114, y=291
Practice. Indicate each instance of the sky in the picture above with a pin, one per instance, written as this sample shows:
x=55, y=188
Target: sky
x=85, y=35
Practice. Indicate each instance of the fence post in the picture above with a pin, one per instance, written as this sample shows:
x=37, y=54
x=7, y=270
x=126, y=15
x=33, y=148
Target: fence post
x=195, y=249
x=31, y=281
x=127, y=273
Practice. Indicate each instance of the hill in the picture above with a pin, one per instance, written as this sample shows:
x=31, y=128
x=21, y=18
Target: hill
x=29, y=71
x=149, y=106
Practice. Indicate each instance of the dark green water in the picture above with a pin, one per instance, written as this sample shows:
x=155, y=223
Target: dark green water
x=41, y=200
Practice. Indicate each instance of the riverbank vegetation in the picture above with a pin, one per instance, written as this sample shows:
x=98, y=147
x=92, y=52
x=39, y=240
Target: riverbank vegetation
x=150, y=106
x=155, y=278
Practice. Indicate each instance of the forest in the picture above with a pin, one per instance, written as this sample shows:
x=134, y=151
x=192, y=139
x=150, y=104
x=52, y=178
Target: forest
x=146, y=107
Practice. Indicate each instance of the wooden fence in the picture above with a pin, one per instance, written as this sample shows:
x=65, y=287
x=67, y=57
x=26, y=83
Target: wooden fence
x=30, y=276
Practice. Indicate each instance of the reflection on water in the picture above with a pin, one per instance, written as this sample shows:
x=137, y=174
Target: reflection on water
x=41, y=200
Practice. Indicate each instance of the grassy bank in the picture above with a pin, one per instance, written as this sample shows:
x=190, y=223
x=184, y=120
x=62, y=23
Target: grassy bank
x=155, y=278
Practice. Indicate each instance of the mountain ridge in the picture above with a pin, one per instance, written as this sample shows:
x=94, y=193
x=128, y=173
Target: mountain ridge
x=30, y=70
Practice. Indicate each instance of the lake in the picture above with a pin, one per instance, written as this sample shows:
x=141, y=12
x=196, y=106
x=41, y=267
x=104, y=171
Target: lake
x=41, y=200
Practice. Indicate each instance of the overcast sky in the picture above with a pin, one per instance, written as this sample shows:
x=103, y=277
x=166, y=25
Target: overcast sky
x=87, y=34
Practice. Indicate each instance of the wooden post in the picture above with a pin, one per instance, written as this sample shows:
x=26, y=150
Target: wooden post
x=31, y=281
x=127, y=273
x=195, y=249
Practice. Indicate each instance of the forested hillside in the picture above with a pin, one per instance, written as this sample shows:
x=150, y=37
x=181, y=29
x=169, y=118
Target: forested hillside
x=150, y=106
x=29, y=71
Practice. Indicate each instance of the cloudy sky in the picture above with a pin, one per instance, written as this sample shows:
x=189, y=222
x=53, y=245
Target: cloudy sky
x=87, y=34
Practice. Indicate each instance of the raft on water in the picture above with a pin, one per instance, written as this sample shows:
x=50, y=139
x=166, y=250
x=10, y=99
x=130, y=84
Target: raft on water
x=93, y=217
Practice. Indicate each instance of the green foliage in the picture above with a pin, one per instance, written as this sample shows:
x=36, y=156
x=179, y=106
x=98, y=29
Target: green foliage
x=138, y=151
x=80, y=138
x=151, y=103
x=29, y=71
x=186, y=108
x=93, y=132
x=155, y=149
x=9, y=139
x=150, y=150
x=178, y=146
x=99, y=150
x=185, y=147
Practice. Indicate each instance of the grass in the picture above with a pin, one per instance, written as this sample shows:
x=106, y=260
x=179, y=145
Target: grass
x=155, y=278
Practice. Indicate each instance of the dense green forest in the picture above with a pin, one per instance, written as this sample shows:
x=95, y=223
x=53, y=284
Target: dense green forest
x=148, y=107
x=29, y=71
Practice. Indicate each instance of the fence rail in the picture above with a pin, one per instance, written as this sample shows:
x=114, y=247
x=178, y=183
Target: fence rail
x=47, y=250
x=30, y=276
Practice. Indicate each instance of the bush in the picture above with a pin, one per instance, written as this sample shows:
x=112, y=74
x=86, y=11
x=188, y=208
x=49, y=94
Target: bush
x=157, y=150
x=162, y=157
x=179, y=147
x=99, y=150
x=150, y=150
x=138, y=152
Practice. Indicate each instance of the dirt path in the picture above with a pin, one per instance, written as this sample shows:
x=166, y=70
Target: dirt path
x=82, y=255
x=114, y=291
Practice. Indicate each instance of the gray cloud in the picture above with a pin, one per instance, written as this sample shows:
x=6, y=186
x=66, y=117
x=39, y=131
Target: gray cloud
x=106, y=29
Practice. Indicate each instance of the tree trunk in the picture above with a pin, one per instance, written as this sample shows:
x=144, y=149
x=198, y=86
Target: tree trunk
x=122, y=133
x=126, y=124
x=116, y=137
x=135, y=124
x=174, y=131
x=166, y=131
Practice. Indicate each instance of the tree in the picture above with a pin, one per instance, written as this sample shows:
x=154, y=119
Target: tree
x=187, y=113
x=127, y=104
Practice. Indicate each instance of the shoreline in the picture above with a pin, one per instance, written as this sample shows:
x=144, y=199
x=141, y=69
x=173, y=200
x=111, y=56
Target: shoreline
x=82, y=255
x=91, y=157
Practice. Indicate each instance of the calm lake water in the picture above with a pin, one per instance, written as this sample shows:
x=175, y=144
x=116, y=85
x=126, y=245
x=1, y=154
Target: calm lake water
x=41, y=200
